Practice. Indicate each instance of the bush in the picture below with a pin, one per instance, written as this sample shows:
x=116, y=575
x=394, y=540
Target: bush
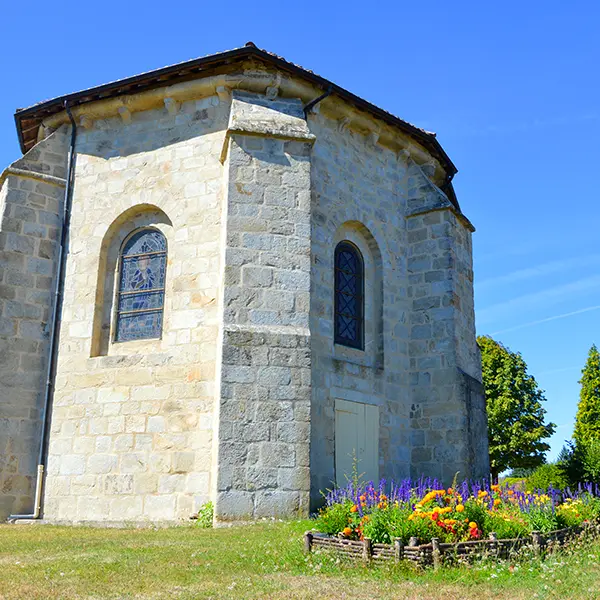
x=204, y=518
x=545, y=476
x=575, y=510
x=580, y=461
x=333, y=519
x=591, y=460
x=543, y=518
x=507, y=525
x=514, y=482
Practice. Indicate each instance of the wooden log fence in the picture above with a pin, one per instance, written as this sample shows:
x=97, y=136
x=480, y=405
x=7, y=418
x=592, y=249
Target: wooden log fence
x=436, y=553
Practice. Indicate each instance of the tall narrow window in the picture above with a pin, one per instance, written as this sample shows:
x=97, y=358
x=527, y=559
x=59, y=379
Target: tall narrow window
x=141, y=293
x=349, y=296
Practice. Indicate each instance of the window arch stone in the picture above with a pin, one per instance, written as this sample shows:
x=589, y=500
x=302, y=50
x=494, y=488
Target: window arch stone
x=122, y=229
x=372, y=354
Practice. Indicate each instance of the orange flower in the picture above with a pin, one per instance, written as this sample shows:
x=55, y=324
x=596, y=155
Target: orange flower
x=460, y=508
x=497, y=501
x=495, y=488
x=354, y=509
x=347, y=531
x=450, y=491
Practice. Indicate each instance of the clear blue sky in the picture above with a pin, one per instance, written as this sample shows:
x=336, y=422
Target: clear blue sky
x=511, y=89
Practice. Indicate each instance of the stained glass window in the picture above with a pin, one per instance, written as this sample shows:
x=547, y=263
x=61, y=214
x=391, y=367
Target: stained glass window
x=141, y=295
x=349, y=295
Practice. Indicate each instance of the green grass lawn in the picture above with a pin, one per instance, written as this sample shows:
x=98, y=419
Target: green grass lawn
x=256, y=561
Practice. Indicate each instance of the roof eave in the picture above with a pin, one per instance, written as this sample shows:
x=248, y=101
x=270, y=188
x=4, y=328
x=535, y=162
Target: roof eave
x=152, y=79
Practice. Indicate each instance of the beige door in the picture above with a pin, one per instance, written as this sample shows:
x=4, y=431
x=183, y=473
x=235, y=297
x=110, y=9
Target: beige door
x=356, y=435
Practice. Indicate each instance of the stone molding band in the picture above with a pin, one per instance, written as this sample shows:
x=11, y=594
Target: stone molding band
x=49, y=179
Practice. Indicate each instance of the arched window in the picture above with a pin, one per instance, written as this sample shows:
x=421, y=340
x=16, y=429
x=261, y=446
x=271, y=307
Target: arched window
x=141, y=292
x=349, y=296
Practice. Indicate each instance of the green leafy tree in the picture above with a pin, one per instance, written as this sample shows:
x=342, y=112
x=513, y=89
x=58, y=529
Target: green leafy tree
x=587, y=421
x=516, y=416
x=580, y=462
x=550, y=474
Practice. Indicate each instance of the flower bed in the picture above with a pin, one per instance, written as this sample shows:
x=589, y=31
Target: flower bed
x=422, y=521
x=435, y=552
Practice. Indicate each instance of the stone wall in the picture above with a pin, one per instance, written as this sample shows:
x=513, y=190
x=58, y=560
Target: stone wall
x=445, y=412
x=31, y=200
x=264, y=424
x=417, y=345
x=132, y=422
x=359, y=194
x=236, y=401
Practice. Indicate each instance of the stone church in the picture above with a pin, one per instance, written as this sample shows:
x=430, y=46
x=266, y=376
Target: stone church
x=229, y=280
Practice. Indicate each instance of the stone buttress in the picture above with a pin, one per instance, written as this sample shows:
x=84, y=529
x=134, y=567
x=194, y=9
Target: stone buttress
x=264, y=413
x=31, y=203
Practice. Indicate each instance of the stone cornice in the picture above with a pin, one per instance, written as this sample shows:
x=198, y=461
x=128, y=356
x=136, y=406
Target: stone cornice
x=451, y=208
x=250, y=78
x=49, y=179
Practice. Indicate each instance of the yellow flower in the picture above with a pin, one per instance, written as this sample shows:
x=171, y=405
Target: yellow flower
x=497, y=501
x=460, y=508
x=473, y=525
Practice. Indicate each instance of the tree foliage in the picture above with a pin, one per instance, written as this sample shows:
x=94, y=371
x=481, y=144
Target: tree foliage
x=580, y=461
x=516, y=416
x=587, y=421
x=550, y=474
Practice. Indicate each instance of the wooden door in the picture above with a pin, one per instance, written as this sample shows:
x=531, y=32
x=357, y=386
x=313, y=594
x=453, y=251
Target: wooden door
x=356, y=435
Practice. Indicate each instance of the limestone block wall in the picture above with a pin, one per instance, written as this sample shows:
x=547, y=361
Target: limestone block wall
x=421, y=342
x=359, y=194
x=264, y=423
x=132, y=422
x=468, y=356
x=31, y=201
x=236, y=401
x=467, y=351
x=447, y=409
